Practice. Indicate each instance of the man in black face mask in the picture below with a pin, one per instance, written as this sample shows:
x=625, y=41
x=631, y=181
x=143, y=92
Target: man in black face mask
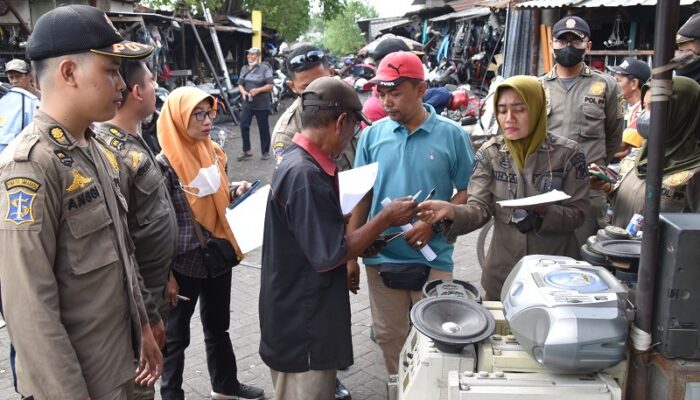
x=688, y=42
x=583, y=105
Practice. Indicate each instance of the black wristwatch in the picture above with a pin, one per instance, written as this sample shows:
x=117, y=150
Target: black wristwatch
x=439, y=226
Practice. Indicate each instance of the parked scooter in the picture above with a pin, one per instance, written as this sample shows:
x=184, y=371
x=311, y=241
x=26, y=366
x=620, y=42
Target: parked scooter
x=445, y=73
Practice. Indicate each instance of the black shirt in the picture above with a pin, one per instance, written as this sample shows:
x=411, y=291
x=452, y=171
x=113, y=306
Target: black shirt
x=304, y=303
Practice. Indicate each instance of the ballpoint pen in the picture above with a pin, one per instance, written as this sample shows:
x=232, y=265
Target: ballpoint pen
x=430, y=194
x=415, y=196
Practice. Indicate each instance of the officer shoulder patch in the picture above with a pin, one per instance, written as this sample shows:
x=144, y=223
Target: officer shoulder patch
x=79, y=181
x=278, y=150
x=597, y=88
x=677, y=179
x=578, y=162
x=621, y=106
x=21, y=193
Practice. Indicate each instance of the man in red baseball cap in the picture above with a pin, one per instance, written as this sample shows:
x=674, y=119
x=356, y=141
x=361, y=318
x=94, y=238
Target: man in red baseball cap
x=417, y=151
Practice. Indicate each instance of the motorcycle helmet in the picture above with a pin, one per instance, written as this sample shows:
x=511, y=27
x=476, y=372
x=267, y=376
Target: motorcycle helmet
x=459, y=98
x=360, y=84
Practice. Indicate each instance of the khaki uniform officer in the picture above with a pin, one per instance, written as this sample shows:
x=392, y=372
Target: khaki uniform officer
x=152, y=223
x=70, y=291
x=557, y=164
x=305, y=64
x=583, y=105
x=289, y=125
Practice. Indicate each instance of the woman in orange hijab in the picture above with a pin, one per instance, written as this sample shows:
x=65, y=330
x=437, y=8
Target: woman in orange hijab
x=196, y=176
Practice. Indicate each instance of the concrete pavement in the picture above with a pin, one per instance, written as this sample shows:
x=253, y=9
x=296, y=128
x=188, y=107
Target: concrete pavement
x=366, y=379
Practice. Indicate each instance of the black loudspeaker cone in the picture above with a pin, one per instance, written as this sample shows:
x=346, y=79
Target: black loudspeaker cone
x=452, y=322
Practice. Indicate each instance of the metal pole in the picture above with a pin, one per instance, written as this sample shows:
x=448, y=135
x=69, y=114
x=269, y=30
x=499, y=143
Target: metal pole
x=667, y=12
x=217, y=47
x=224, y=93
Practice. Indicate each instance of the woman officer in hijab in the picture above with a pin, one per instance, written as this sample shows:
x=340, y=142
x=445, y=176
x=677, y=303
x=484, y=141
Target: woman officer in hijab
x=524, y=161
x=680, y=191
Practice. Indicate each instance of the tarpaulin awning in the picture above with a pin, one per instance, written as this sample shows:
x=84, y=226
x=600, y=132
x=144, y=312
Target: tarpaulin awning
x=469, y=13
x=242, y=25
x=592, y=3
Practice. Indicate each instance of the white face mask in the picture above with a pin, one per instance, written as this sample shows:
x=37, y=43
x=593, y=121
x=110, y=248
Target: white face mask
x=207, y=181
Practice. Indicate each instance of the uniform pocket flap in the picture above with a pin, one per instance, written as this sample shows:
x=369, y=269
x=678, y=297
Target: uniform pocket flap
x=89, y=221
x=148, y=183
x=593, y=111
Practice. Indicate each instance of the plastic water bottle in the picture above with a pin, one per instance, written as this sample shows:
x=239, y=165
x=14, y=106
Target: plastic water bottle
x=635, y=225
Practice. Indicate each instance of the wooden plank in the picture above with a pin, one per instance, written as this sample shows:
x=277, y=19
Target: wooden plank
x=621, y=53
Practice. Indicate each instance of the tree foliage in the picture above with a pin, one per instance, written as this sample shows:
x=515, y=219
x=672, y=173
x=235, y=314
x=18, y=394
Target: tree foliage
x=341, y=34
x=290, y=18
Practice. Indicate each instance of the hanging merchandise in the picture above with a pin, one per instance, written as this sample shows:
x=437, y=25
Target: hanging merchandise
x=424, y=38
x=618, y=37
x=444, y=45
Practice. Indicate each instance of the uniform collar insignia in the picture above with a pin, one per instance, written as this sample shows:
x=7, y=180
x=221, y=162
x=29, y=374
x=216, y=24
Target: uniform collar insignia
x=60, y=137
x=117, y=133
x=79, y=181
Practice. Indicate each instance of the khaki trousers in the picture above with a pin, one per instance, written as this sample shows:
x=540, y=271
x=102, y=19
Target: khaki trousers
x=309, y=385
x=595, y=213
x=390, y=309
x=123, y=392
x=149, y=392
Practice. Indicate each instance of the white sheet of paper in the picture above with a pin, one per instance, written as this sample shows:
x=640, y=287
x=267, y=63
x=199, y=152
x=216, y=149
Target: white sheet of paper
x=247, y=220
x=544, y=198
x=353, y=184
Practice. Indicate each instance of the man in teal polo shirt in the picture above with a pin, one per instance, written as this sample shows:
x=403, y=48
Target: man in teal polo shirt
x=417, y=150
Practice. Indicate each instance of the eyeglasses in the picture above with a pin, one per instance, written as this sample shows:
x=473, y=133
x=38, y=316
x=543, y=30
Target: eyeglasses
x=576, y=43
x=303, y=60
x=200, y=115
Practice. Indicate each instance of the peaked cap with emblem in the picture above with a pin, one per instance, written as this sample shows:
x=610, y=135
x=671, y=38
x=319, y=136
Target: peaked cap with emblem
x=76, y=29
x=572, y=24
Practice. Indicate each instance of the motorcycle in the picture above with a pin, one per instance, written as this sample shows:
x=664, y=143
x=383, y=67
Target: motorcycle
x=235, y=100
x=279, y=90
x=445, y=73
x=359, y=75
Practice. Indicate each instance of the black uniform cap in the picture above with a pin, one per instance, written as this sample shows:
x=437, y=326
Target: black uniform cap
x=634, y=68
x=573, y=24
x=79, y=28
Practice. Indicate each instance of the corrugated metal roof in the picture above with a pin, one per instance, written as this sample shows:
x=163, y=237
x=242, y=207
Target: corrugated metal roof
x=460, y=5
x=593, y=3
x=474, y=12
